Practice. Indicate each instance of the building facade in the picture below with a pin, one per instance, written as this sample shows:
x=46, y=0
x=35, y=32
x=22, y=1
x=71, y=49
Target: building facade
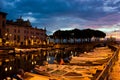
x=114, y=35
x=2, y=26
x=21, y=32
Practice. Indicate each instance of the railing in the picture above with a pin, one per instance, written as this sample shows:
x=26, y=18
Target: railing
x=105, y=72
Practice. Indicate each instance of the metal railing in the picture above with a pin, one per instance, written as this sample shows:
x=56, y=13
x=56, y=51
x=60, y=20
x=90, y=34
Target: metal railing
x=107, y=69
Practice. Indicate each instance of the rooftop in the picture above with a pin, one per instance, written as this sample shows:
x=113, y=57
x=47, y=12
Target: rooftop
x=20, y=22
x=3, y=13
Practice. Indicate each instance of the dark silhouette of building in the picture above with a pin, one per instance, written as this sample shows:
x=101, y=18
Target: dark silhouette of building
x=2, y=26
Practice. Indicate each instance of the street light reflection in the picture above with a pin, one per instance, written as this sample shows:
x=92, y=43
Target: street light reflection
x=10, y=68
x=32, y=62
x=6, y=69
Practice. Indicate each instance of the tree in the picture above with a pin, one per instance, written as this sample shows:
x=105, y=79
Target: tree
x=88, y=34
x=84, y=35
x=99, y=34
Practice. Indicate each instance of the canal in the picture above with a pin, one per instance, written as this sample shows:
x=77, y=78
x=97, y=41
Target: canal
x=10, y=64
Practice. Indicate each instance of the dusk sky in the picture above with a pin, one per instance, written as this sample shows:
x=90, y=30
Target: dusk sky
x=102, y=15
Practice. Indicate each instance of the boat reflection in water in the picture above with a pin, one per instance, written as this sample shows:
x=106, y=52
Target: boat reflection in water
x=11, y=64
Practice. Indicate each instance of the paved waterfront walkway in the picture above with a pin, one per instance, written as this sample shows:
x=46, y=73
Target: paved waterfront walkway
x=115, y=74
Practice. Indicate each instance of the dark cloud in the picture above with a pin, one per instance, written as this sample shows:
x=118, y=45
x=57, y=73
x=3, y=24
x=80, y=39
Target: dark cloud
x=63, y=13
x=60, y=7
x=1, y=5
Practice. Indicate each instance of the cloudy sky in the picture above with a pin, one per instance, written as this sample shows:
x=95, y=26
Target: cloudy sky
x=66, y=14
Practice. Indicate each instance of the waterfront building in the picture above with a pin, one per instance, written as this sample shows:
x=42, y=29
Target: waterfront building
x=113, y=36
x=21, y=32
x=2, y=26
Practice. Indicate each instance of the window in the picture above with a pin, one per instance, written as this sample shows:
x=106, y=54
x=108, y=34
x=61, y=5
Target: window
x=14, y=37
x=27, y=37
x=3, y=16
x=18, y=38
x=41, y=33
x=24, y=31
x=8, y=30
x=24, y=37
x=31, y=32
x=18, y=31
x=37, y=33
x=3, y=24
x=14, y=30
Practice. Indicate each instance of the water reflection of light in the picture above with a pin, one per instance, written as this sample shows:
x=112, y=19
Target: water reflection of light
x=6, y=69
x=0, y=63
x=7, y=60
x=75, y=53
x=32, y=56
x=8, y=78
x=71, y=53
x=10, y=68
x=57, y=51
x=44, y=53
x=32, y=62
x=48, y=59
